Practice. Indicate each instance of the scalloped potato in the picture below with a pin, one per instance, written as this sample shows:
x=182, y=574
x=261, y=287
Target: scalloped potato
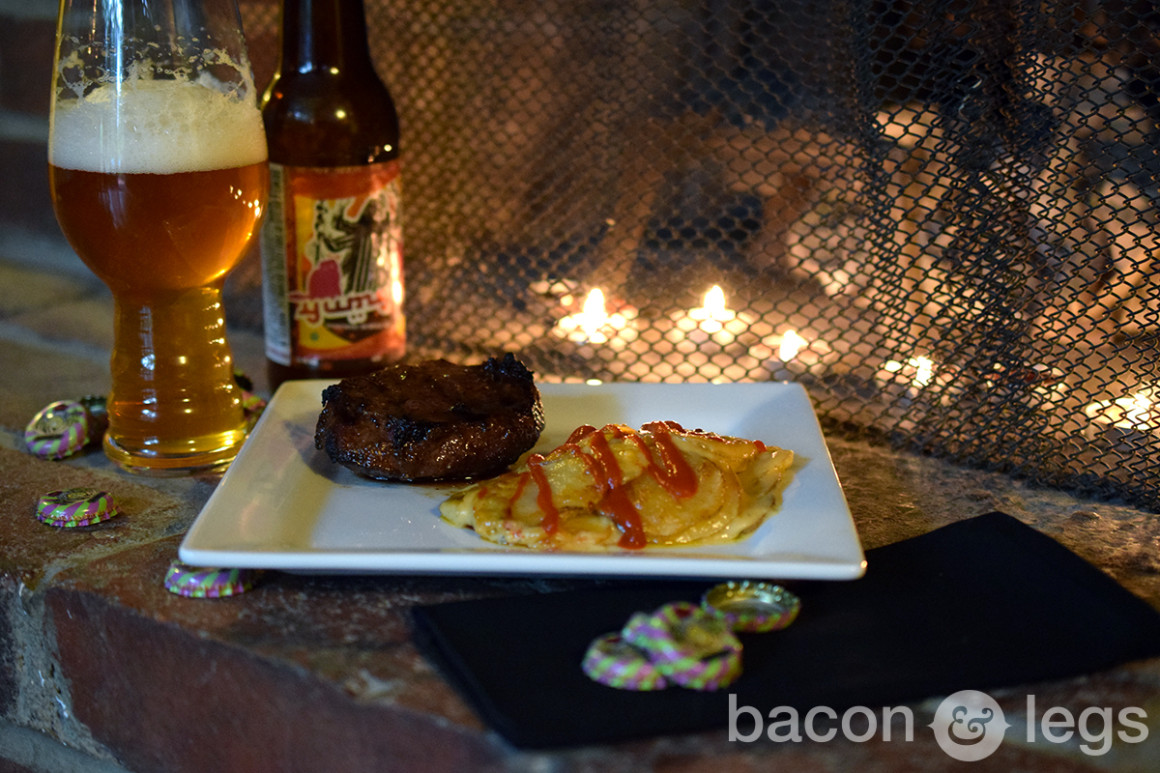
x=618, y=487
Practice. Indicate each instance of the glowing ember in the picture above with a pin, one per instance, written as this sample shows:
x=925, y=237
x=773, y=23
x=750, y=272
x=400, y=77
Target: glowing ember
x=1140, y=410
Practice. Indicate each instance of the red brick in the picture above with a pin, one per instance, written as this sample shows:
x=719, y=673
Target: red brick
x=29, y=549
x=309, y=674
x=162, y=698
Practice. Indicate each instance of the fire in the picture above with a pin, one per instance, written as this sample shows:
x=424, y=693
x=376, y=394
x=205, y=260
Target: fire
x=1139, y=409
x=713, y=307
x=921, y=369
x=593, y=316
x=593, y=323
x=791, y=344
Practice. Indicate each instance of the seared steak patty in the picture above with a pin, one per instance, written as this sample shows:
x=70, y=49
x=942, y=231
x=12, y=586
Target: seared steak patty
x=431, y=421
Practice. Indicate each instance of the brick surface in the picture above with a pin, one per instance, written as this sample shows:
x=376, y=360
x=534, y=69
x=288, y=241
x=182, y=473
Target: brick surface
x=179, y=702
x=9, y=594
x=40, y=289
x=35, y=375
x=59, y=330
x=84, y=323
x=25, y=202
x=26, y=46
x=299, y=673
x=13, y=767
x=30, y=550
x=168, y=683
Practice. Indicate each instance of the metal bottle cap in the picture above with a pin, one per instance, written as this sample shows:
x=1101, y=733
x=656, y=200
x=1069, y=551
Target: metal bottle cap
x=75, y=507
x=200, y=582
x=691, y=645
x=753, y=607
x=612, y=661
x=58, y=430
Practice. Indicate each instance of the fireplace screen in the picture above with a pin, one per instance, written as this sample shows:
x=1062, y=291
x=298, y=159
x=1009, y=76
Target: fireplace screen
x=937, y=216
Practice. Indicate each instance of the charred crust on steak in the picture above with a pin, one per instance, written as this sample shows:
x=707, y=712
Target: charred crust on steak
x=433, y=420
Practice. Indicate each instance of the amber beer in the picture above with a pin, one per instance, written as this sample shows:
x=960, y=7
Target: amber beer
x=161, y=218
x=159, y=233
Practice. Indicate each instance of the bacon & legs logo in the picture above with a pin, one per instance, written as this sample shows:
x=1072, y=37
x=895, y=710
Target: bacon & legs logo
x=969, y=725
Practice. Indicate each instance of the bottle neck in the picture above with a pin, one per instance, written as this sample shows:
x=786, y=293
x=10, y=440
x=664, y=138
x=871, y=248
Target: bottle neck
x=324, y=35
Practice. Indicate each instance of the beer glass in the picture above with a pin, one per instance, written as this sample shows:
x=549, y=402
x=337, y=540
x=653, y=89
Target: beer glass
x=157, y=160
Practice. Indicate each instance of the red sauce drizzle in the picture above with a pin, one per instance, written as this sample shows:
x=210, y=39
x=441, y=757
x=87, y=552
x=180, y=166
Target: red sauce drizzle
x=551, y=520
x=616, y=502
x=674, y=471
x=535, y=473
x=521, y=483
x=578, y=434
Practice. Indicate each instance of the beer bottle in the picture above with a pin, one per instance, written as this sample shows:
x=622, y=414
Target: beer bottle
x=332, y=241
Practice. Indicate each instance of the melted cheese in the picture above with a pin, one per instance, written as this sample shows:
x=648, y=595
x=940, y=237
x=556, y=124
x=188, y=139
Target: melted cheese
x=619, y=487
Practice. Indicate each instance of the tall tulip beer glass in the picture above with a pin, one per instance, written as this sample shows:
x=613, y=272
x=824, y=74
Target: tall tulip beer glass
x=157, y=158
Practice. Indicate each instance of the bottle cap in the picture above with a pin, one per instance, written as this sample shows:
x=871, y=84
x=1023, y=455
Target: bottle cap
x=680, y=631
x=58, y=430
x=691, y=645
x=200, y=582
x=753, y=607
x=612, y=661
x=75, y=507
x=252, y=404
x=713, y=672
x=679, y=643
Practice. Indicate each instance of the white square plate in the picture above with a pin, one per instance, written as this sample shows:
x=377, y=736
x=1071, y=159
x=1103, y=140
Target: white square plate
x=284, y=505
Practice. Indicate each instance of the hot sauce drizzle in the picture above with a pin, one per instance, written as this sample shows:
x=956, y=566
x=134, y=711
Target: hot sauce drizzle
x=672, y=471
x=551, y=520
x=615, y=501
x=578, y=434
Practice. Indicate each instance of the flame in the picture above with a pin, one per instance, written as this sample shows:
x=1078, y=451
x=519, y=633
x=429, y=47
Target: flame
x=1139, y=410
x=1128, y=413
x=593, y=316
x=713, y=307
x=593, y=323
x=791, y=344
x=923, y=370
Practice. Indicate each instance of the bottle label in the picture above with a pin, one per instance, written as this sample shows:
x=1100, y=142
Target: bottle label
x=332, y=255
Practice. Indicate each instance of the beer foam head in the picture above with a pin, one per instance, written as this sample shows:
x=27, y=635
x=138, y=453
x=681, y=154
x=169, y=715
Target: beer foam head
x=156, y=126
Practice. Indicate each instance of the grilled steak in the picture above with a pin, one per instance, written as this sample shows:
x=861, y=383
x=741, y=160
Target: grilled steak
x=431, y=421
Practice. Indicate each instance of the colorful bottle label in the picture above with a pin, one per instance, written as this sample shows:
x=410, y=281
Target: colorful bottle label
x=332, y=261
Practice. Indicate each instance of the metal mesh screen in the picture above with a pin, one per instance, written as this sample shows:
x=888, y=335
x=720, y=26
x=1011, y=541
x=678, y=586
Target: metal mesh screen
x=938, y=216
